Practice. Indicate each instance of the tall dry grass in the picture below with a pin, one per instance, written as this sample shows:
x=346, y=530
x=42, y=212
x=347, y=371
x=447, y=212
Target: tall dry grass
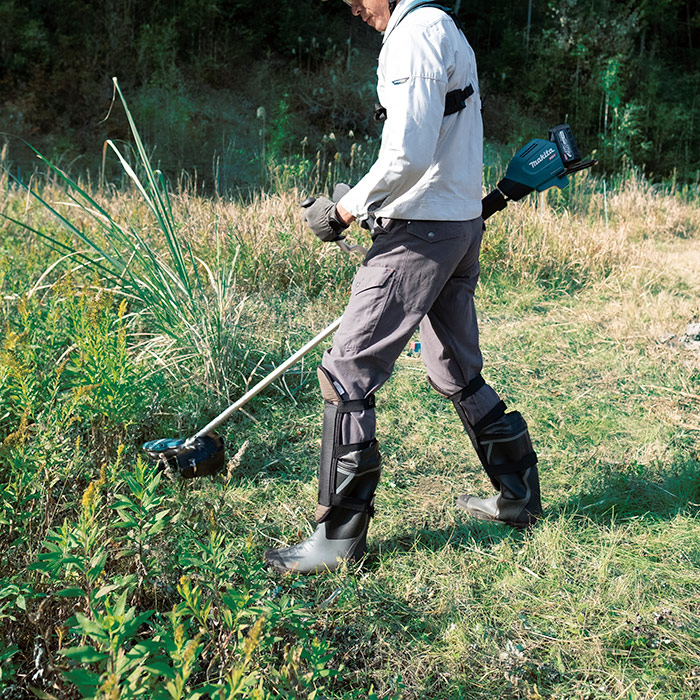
x=557, y=238
x=215, y=264
x=573, y=237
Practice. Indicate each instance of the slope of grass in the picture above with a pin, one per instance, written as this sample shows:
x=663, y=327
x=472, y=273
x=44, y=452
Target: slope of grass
x=116, y=582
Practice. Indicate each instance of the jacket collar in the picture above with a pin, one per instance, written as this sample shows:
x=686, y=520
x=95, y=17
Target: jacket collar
x=403, y=7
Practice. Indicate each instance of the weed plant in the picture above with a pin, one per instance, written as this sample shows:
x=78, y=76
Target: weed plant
x=117, y=581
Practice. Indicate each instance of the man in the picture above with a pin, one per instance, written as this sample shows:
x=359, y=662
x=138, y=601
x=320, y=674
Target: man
x=422, y=199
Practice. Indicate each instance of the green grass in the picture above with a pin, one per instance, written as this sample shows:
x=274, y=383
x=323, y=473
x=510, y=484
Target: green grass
x=600, y=600
x=117, y=583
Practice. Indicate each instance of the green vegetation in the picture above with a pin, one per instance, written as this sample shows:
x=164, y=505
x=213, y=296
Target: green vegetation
x=137, y=300
x=119, y=582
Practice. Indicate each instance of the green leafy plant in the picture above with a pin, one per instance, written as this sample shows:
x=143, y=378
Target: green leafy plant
x=142, y=517
x=110, y=666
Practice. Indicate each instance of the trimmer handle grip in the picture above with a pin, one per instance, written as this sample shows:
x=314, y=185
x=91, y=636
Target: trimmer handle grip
x=493, y=202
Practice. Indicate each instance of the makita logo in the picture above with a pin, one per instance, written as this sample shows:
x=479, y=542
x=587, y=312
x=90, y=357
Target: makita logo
x=544, y=156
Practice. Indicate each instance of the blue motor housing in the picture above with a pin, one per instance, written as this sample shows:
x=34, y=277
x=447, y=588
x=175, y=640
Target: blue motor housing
x=537, y=166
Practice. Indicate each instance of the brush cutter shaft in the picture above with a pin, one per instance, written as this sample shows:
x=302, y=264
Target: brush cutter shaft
x=267, y=380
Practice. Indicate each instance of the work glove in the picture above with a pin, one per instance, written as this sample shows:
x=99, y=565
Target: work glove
x=323, y=220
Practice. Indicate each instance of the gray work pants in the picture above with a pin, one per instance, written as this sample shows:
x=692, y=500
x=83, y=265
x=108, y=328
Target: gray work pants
x=416, y=274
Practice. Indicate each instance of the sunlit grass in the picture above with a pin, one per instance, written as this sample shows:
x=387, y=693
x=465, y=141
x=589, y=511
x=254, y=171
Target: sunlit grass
x=583, y=297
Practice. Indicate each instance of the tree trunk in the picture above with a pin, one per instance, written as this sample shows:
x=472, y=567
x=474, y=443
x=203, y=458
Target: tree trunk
x=529, y=22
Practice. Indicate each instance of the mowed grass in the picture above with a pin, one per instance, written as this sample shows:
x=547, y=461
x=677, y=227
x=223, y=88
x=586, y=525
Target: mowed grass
x=583, y=304
x=601, y=599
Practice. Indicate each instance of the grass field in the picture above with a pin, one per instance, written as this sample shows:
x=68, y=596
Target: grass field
x=117, y=582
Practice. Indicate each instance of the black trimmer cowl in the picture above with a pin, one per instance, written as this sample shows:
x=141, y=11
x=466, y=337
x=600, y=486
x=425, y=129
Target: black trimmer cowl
x=189, y=458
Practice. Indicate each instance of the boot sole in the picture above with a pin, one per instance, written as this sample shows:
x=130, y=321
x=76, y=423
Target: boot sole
x=509, y=523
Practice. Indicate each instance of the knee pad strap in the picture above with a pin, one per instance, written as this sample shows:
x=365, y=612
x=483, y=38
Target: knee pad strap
x=471, y=388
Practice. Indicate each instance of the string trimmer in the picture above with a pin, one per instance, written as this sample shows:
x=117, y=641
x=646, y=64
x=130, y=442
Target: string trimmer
x=537, y=166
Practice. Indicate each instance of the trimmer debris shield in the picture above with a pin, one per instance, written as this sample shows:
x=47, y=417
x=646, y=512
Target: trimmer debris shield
x=189, y=458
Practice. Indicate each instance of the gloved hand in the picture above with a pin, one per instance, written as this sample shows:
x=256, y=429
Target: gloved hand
x=323, y=220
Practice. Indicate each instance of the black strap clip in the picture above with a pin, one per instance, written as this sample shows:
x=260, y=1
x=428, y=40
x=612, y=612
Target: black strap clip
x=379, y=113
x=456, y=100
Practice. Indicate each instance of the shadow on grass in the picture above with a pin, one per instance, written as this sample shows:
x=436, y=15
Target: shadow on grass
x=613, y=495
x=609, y=496
x=471, y=533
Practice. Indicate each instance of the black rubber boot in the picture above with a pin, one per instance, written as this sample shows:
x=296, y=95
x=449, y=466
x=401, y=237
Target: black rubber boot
x=502, y=441
x=516, y=504
x=342, y=529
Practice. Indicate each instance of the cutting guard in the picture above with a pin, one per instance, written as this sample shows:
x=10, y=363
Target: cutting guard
x=206, y=455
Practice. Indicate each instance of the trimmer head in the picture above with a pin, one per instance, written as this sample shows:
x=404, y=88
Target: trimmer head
x=205, y=455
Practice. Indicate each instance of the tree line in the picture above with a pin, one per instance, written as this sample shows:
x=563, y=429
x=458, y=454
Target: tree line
x=624, y=73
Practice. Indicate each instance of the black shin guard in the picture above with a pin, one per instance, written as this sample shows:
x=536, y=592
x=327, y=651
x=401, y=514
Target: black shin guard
x=348, y=474
x=505, y=447
x=502, y=442
x=348, y=477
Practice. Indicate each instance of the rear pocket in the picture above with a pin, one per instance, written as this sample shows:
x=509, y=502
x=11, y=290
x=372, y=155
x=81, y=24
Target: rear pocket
x=435, y=231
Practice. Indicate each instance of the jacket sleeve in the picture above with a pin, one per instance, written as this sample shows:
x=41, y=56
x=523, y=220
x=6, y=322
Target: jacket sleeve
x=413, y=89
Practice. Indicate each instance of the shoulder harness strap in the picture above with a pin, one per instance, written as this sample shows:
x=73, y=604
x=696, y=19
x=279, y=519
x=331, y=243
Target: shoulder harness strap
x=455, y=100
x=447, y=10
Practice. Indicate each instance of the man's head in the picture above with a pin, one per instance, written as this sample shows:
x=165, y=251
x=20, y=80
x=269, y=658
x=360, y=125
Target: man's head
x=375, y=13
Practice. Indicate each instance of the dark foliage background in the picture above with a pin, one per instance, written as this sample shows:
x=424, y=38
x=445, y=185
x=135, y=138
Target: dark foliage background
x=624, y=73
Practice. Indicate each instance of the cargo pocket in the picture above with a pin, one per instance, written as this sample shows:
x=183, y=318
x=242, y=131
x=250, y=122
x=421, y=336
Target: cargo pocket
x=371, y=290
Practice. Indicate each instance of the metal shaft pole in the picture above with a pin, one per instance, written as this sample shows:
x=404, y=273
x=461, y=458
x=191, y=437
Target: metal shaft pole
x=267, y=380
